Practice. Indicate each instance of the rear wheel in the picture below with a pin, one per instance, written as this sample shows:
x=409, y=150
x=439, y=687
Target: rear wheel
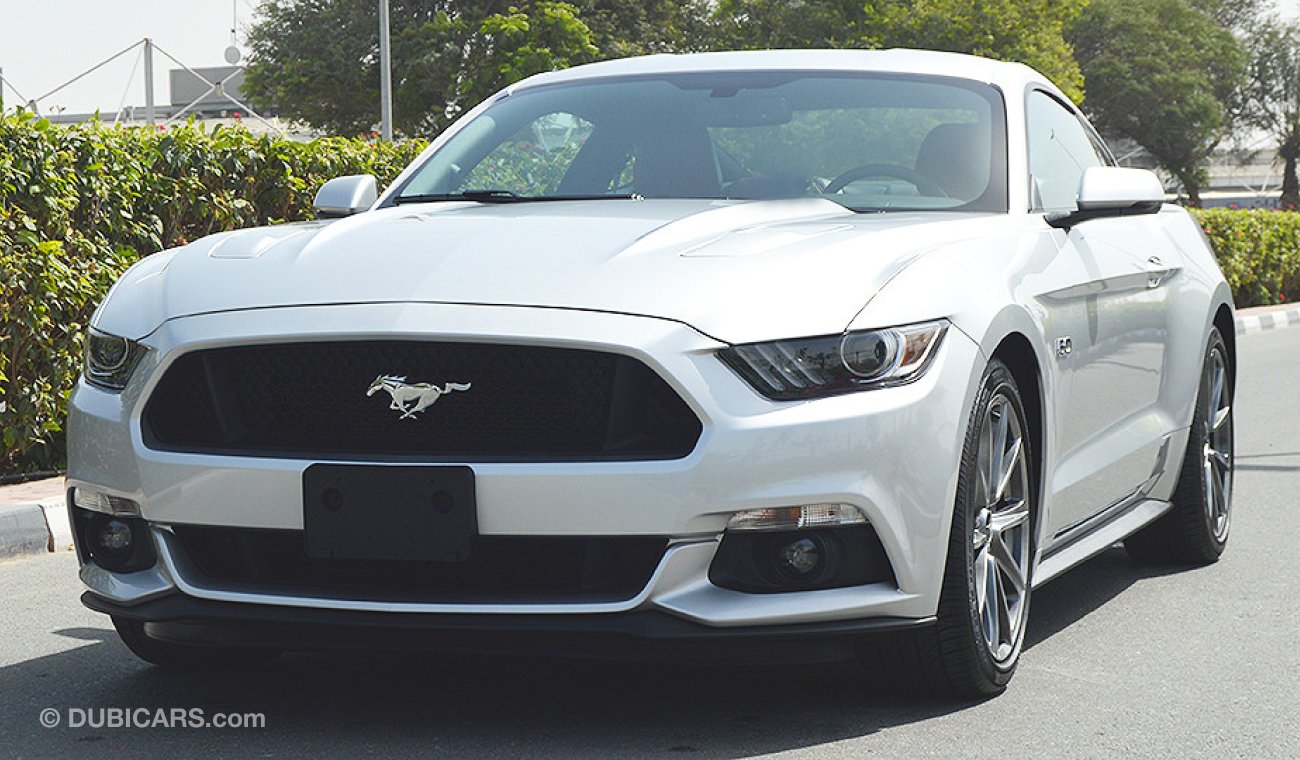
x=973, y=648
x=172, y=655
x=1195, y=530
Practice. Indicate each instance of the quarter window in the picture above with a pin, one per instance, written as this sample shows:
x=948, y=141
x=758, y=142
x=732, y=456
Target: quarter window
x=1059, y=152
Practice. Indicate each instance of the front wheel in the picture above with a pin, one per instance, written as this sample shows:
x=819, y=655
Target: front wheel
x=974, y=647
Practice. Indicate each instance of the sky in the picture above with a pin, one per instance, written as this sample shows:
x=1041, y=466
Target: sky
x=44, y=43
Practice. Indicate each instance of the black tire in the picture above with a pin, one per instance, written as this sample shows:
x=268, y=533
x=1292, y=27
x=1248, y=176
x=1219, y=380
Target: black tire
x=1192, y=533
x=953, y=658
x=168, y=654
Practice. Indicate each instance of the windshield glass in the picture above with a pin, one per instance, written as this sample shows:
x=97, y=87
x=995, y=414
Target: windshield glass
x=871, y=142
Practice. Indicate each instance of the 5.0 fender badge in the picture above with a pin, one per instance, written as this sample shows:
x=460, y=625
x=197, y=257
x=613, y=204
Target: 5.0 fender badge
x=411, y=398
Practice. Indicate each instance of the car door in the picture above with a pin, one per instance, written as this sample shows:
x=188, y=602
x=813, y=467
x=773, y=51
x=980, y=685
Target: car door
x=1106, y=316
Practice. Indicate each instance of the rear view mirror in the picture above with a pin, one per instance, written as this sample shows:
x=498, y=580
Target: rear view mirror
x=345, y=196
x=746, y=109
x=1111, y=191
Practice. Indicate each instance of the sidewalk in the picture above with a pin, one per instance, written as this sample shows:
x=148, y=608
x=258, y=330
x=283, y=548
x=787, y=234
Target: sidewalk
x=34, y=516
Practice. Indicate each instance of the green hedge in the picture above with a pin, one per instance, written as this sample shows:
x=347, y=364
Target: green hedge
x=79, y=204
x=1259, y=252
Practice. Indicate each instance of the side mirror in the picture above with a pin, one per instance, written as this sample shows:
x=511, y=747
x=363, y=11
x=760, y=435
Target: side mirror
x=1109, y=191
x=345, y=196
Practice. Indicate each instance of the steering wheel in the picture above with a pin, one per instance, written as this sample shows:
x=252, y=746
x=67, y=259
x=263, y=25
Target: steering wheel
x=923, y=183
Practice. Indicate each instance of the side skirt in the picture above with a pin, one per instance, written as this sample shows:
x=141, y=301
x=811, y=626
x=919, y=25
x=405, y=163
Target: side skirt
x=1120, y=525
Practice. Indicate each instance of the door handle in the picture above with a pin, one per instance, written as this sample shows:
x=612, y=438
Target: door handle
x=1156, y=272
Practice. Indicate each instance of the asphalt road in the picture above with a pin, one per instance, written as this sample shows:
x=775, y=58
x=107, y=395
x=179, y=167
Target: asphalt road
x=1120, y=661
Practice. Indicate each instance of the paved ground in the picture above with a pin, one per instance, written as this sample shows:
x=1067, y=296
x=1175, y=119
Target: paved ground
x=1121, y=661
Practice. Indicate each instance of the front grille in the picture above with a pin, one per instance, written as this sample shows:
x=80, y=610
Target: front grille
x=308, y=400
x=501, y=569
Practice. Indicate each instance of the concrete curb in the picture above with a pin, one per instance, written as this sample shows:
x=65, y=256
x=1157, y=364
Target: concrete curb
x=1269, y=318
x=23, y=530
x=56, y=519
x=34, y=528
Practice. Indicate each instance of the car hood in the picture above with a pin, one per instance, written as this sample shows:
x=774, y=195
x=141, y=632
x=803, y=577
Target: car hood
x=736, y=271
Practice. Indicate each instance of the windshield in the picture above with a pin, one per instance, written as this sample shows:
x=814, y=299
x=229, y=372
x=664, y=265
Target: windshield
x=871, y=142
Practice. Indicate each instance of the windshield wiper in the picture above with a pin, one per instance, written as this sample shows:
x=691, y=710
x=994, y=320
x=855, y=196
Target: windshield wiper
x=505, y=196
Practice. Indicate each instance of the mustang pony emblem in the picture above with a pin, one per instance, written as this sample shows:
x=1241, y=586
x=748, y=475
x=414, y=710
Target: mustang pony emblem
x=411, y=398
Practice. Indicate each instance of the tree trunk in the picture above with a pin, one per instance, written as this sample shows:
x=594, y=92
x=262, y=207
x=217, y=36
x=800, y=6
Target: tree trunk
x=1290, y=186
x=1192, y=187
x=1289, y=151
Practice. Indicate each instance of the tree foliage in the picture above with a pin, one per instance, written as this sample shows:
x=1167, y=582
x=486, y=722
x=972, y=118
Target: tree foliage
x=620, y=29
x=1160, y=72
x=318, y=60
x=1027, y=31
x=1272, y=96
x=1234, y=15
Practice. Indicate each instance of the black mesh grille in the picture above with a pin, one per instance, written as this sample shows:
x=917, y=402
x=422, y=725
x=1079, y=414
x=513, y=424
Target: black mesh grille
x=309, y=400
x=500, y=568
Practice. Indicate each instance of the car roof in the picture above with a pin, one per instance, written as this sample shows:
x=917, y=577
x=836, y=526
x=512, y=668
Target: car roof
x=1008, y=76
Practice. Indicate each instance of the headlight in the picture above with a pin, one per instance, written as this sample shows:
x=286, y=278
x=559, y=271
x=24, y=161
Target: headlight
x=109, y=359
x=808, y=367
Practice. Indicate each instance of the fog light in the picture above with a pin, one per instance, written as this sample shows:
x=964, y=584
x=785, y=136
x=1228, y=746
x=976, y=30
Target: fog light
x=117, y=544
x=113, y=538
x=800, y=558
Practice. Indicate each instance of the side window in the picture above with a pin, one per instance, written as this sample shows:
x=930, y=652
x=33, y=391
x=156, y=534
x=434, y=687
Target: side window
x=535, y=159
x=1059, y=151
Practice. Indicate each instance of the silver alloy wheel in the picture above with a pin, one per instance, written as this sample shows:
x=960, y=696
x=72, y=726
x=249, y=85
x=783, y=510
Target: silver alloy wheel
x=1216, y=465
x=1001, y=538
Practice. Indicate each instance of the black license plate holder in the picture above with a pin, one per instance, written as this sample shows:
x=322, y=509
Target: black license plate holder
x=373, y=512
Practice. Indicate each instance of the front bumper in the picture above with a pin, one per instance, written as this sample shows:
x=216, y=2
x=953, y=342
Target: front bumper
x=636, y=635
x=892, y=453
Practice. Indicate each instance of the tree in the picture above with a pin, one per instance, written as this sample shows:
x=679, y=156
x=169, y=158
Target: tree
x=620, y=28
x=449, y=63
x=317, y=61
x=1273, y=96
x=776, y=24
x=1027, y=31
x=1234, y=15
x=1160, y=72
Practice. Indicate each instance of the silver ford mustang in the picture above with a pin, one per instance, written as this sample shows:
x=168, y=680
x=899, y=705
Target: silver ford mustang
x=824, y=353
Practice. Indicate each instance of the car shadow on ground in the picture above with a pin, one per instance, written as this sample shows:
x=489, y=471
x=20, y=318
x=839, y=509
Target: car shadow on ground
x=503, y=706
x=1082, y=590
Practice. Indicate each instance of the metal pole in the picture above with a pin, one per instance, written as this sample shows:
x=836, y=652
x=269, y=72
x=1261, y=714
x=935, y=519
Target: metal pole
x=148, y=81
x=385, y=76
x=2, y=90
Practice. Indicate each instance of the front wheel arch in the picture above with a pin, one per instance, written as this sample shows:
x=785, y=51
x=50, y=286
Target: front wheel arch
x=1017, y=353
x=1227, y=324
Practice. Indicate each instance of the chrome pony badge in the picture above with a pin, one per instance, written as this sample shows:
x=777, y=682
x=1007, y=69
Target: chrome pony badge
x=411, y=398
